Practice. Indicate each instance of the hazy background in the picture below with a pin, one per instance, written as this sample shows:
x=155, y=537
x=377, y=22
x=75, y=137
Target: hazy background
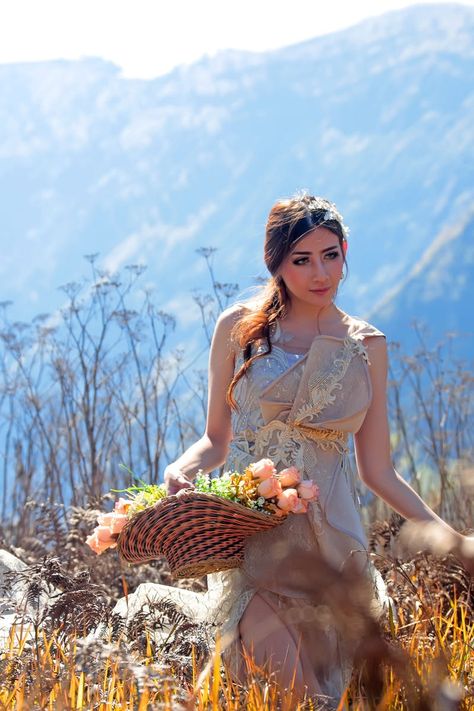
x=143, y=133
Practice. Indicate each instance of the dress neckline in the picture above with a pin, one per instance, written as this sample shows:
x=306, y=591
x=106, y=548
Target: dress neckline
x=278, y=334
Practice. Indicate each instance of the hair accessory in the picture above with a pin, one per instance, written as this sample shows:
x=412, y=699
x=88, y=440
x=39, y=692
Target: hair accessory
x=313, y=203
x=332, y=213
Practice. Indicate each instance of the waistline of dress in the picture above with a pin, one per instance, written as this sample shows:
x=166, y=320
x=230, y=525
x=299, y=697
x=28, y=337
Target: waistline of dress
x=324, y=437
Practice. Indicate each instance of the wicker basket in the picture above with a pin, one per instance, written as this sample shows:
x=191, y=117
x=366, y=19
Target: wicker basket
x=197, y=533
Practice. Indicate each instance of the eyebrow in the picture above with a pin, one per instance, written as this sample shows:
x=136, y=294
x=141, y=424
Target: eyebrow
x=328, y=249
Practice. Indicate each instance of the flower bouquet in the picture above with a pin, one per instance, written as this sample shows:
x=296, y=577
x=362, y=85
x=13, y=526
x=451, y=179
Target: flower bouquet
x=202, y=530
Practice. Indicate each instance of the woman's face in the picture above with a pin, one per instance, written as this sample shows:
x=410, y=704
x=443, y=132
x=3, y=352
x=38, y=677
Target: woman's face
x=313, y=269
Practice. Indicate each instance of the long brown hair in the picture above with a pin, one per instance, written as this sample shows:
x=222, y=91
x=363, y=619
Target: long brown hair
x=289, y=219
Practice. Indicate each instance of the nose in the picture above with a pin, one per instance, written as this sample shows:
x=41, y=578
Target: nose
x=320, y=273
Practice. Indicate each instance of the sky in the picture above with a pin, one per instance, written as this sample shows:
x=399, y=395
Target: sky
x=147, y=38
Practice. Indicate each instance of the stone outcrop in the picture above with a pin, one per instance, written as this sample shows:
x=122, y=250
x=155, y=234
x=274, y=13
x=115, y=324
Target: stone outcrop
x=14, y=606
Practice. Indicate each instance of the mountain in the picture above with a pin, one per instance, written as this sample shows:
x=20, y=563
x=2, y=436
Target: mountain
x=379, y=118
x=436, y=292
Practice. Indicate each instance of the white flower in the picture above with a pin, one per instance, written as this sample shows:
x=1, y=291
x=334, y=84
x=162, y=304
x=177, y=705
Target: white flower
x=331, y=213
x=334, y=214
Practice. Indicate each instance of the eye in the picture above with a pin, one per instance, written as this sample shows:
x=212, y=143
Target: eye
x=332, y=255
x=300, y=260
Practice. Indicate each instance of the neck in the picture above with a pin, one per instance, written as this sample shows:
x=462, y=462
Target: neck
x=309, y=317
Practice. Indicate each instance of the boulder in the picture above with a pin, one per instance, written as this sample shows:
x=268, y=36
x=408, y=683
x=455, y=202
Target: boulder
x=140, y=602
x=14, y=606
x=10, y=596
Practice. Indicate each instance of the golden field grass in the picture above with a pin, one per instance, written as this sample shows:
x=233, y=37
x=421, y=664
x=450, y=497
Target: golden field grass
x=423, y=658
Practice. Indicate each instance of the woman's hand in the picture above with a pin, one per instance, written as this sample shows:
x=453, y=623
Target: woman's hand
x=465, y=553
x=440, y=539
x=175, y=480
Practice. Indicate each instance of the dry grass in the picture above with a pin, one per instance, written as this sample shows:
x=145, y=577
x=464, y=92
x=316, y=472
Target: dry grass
x=54, y=674
x=421, y=658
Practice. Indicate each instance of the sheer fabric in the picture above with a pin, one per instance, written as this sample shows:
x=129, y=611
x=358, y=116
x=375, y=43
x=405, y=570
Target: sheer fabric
x=285, y=400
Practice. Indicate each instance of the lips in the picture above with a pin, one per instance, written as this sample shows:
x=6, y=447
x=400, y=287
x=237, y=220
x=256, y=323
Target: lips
x=320, y=291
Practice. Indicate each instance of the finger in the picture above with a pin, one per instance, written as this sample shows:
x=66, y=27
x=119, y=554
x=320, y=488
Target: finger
x=185, y=483
x=467, y=548
x=179, y=485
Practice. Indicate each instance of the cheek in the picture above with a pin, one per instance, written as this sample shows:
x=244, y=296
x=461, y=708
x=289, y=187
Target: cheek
x=336, y=267
x=291, y=272
x=293, y=275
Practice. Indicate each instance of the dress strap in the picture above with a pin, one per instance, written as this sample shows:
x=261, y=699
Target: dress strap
x=362, y=329
x=359, y=329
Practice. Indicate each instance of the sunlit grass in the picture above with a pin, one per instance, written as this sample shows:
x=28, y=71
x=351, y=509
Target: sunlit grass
x=50, y=672
x=441, y=649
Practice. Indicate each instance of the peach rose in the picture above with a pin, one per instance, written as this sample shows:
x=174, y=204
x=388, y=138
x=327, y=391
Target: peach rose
x=300, y=506
x=122, y=505
x=105, y=519
x=269, y=488
x=118, y=522
x=308, y=490
x=98, y=544
x=263, y=469
x=94, y=543
x=290, y=476
x=103, y=533
x=279, y=513
x=287, y=499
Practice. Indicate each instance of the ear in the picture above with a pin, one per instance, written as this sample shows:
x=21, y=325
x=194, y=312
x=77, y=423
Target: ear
x=344, y=247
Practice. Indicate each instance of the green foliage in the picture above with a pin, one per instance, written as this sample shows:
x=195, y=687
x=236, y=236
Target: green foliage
x=142, y=495
x=234, y=487
x=222, y=486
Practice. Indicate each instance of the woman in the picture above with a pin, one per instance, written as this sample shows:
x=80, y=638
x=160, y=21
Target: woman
x=291, y=376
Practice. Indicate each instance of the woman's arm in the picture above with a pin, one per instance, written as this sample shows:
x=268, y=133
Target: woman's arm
x=373, y=454
x=210, y=451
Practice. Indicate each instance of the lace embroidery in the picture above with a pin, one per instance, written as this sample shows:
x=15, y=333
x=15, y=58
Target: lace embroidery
x=322, y=386
x=281, y=443
x=287, y=442
x=359, y=347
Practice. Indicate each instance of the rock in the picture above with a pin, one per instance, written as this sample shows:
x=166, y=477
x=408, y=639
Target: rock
x=152, y=601
x=9, y=599
x=14, y=606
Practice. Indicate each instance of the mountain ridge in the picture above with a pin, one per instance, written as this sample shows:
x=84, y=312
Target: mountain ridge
x=380, y=121
x=442, y=276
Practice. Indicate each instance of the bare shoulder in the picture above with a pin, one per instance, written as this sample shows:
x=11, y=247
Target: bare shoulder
x=229, y=317
x=360, y=328
x=225, y=325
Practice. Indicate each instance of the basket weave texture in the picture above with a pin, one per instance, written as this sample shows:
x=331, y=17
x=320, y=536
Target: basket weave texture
x=197, y=533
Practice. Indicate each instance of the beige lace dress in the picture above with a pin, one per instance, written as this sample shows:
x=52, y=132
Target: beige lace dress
x=297, y=410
